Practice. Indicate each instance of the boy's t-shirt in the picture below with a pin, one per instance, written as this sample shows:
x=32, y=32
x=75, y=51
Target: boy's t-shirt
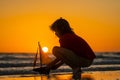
x=76, y=44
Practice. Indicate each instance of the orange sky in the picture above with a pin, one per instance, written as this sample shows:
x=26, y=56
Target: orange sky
x=25, y=22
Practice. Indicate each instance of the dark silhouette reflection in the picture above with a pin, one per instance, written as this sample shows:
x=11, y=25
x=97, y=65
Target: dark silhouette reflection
x=87, y=77
x=63, y=77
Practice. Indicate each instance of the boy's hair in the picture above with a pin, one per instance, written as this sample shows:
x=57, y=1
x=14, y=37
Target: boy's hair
x=62, y=25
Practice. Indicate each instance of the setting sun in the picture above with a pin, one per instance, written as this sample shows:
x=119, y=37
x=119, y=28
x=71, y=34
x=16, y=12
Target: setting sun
x=45, y=49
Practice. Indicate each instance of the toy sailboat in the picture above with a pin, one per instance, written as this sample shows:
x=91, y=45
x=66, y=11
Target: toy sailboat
x=38, y=53
x=42, y=69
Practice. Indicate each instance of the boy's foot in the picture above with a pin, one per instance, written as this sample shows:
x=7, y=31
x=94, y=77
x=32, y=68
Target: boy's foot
x=77, y=73
x=42, y=70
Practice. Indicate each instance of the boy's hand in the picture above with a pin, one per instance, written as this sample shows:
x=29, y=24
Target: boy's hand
x=42, y=70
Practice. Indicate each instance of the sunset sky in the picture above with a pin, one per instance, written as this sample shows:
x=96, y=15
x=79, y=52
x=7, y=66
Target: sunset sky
x=25, y=22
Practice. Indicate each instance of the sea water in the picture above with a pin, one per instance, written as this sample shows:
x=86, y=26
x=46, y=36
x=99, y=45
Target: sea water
x=22, y=63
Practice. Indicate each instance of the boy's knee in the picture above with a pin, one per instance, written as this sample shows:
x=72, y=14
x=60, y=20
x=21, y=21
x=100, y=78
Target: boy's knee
x=55, y=50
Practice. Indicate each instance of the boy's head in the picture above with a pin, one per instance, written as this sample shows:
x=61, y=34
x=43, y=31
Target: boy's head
x=61, y=26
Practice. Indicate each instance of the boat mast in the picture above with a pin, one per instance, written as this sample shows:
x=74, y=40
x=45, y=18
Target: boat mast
x=40, y=53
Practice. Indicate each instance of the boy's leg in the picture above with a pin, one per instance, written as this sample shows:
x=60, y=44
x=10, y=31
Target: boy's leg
x=72, y=60
x=67, y=56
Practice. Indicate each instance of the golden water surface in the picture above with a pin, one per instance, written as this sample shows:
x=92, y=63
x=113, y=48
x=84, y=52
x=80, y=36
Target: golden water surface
x=103, y=75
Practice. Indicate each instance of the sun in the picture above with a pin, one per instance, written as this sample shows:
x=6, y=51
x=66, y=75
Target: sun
x=45, y=49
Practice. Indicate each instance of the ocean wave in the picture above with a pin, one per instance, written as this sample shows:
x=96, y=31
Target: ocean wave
x=12, y=64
